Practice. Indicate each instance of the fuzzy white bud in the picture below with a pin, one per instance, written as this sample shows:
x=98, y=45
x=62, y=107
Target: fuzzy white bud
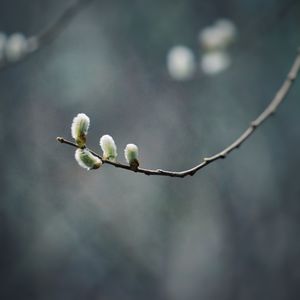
x=228, y=28
x=218, y=36
x=15, y=47
x=211, y=38
x=108, y=147
x=87, y=160
x=131, y=153
x=213, y=63
x=80, y=128
x=181, y=63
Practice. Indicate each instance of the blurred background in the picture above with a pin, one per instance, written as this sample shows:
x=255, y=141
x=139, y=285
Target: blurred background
x=230, y=232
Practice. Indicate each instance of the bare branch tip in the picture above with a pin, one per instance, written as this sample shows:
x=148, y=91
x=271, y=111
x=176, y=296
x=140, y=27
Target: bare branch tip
x=60, y=139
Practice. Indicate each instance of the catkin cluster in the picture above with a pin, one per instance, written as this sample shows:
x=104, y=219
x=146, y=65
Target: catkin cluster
x=88, y=160
x=215, y=41
x=15, y=46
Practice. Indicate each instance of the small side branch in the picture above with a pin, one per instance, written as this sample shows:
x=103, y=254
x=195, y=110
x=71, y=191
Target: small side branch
x=269, y=111
x=39, y=41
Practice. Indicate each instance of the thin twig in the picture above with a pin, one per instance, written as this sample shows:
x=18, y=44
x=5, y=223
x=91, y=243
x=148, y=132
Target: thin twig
x=39, y=41
x=269, y=111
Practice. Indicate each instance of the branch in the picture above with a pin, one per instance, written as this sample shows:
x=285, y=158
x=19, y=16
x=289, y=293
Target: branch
x=39, y=41
x=268, y=112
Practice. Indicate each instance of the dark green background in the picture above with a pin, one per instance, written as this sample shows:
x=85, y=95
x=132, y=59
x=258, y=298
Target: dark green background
x=230, y=232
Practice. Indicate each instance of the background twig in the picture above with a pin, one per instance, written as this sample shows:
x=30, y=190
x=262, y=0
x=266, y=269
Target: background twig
x=37, y=42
